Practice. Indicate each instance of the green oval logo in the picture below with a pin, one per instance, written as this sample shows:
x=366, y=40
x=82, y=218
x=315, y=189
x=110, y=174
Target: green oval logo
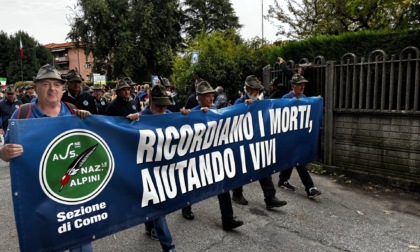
x=76, y=166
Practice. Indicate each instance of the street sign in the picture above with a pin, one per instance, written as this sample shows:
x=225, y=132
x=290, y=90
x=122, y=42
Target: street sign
x=99, y=79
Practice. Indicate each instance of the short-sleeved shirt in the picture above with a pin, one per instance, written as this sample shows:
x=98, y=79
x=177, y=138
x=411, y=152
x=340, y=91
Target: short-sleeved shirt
x=241, y=99
x=291, y=95
x=199, y=107
x=37, y=113
x=147, y=111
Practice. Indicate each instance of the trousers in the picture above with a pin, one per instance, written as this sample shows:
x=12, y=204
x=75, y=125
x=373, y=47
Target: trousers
x=266, y=185
x=304, y=175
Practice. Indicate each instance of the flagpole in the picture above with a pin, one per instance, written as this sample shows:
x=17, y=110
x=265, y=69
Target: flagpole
x=21, y=58
x=21, y=70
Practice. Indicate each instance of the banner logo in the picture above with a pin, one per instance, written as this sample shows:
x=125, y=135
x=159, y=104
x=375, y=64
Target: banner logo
x=76, y=166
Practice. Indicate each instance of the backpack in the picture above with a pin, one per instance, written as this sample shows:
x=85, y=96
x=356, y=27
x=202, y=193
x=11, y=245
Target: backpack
x=25, y=110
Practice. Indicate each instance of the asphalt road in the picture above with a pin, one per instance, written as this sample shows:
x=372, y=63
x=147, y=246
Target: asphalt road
x=346, y=217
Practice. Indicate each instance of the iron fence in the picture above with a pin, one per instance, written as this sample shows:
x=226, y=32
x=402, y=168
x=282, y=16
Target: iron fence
x=380, y=83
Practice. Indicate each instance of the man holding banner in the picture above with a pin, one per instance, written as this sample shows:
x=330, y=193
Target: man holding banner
x=158, y=103
x=205, y=97
x=49, y=86
x=252, y=89
x=298, y=87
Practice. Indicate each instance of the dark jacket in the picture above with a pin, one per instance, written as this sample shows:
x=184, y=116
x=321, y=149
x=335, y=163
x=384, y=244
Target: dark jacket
x=121, y=107
x=27, y=99
x=6, y=109
x=101, y=105
x=278, y=93
x=83, y=101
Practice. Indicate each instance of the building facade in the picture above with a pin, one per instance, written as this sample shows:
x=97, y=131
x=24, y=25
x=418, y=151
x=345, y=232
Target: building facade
x=67, y=57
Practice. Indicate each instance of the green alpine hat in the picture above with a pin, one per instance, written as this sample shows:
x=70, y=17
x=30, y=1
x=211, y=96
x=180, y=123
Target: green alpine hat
x=9, y=90
x=129, y=81
x=97, y=87
x=48, y=72
x=73, y=75
x=204, y=88
x=253, y=82
x=297, y=78
x=122, y=84
x=158, y=96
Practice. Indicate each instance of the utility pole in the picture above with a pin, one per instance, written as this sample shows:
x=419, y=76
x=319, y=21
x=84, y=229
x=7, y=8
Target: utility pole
x=262, y=19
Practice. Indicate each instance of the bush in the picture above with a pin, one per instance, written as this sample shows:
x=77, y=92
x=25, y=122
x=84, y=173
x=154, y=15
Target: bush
x=359, y=43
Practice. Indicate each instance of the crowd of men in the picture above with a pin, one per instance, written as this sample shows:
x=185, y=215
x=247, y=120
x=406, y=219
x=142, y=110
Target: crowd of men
x=131, y=100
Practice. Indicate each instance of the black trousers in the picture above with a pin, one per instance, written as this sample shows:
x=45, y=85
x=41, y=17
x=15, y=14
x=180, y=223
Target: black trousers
x=266, y=185
x=304, y=175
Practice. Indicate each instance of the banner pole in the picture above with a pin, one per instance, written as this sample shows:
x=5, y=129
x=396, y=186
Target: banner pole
x=21, y=70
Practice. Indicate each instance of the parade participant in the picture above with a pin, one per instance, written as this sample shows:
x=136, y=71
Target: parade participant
x=298, y=88
x=252, y=89
x=7, y=106
x=100, y=101
x=221, y=98
x=277, y=88
x=49, y=86
x=170, y=90
x=133, y=88
x=75, y=95
x=192, y=99
x=21, y=93
x=205, y=97
x=158, y=228
x=144, y=94
x=123, y=104
x=29, y=94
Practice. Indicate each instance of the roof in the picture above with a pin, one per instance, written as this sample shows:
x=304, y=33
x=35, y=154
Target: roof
x=61, y=45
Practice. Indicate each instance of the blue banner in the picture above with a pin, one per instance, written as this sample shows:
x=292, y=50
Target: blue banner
x=80, y=180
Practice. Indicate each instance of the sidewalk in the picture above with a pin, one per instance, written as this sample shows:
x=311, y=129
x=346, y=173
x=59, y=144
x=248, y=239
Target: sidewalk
x=344, y=218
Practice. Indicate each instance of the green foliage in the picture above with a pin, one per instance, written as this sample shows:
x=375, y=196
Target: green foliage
x=128, y=38
x=208, y=16
x=333, y=17
x=224, y=60
x=360, y=43
x=112, y=84
x=11, y=66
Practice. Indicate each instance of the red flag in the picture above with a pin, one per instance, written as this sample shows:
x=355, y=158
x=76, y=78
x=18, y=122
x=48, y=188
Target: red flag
x=21, y=49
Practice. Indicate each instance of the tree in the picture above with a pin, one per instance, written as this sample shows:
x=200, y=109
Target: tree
x=224, y=60
x=5, y=48
x=308, y=18
x=208, y=16
x=159, y=35
x=133, y=38
x=12, y=66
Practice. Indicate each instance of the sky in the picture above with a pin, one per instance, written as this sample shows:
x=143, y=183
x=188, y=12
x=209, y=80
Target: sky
x=46, y=20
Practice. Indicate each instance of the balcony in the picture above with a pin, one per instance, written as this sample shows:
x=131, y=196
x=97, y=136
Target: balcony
x=62, y=60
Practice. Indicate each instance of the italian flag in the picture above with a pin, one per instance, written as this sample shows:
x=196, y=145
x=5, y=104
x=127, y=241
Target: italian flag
x=21, y=49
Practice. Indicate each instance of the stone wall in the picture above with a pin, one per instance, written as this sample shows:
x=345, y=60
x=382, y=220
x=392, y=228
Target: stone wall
x=380, y=148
